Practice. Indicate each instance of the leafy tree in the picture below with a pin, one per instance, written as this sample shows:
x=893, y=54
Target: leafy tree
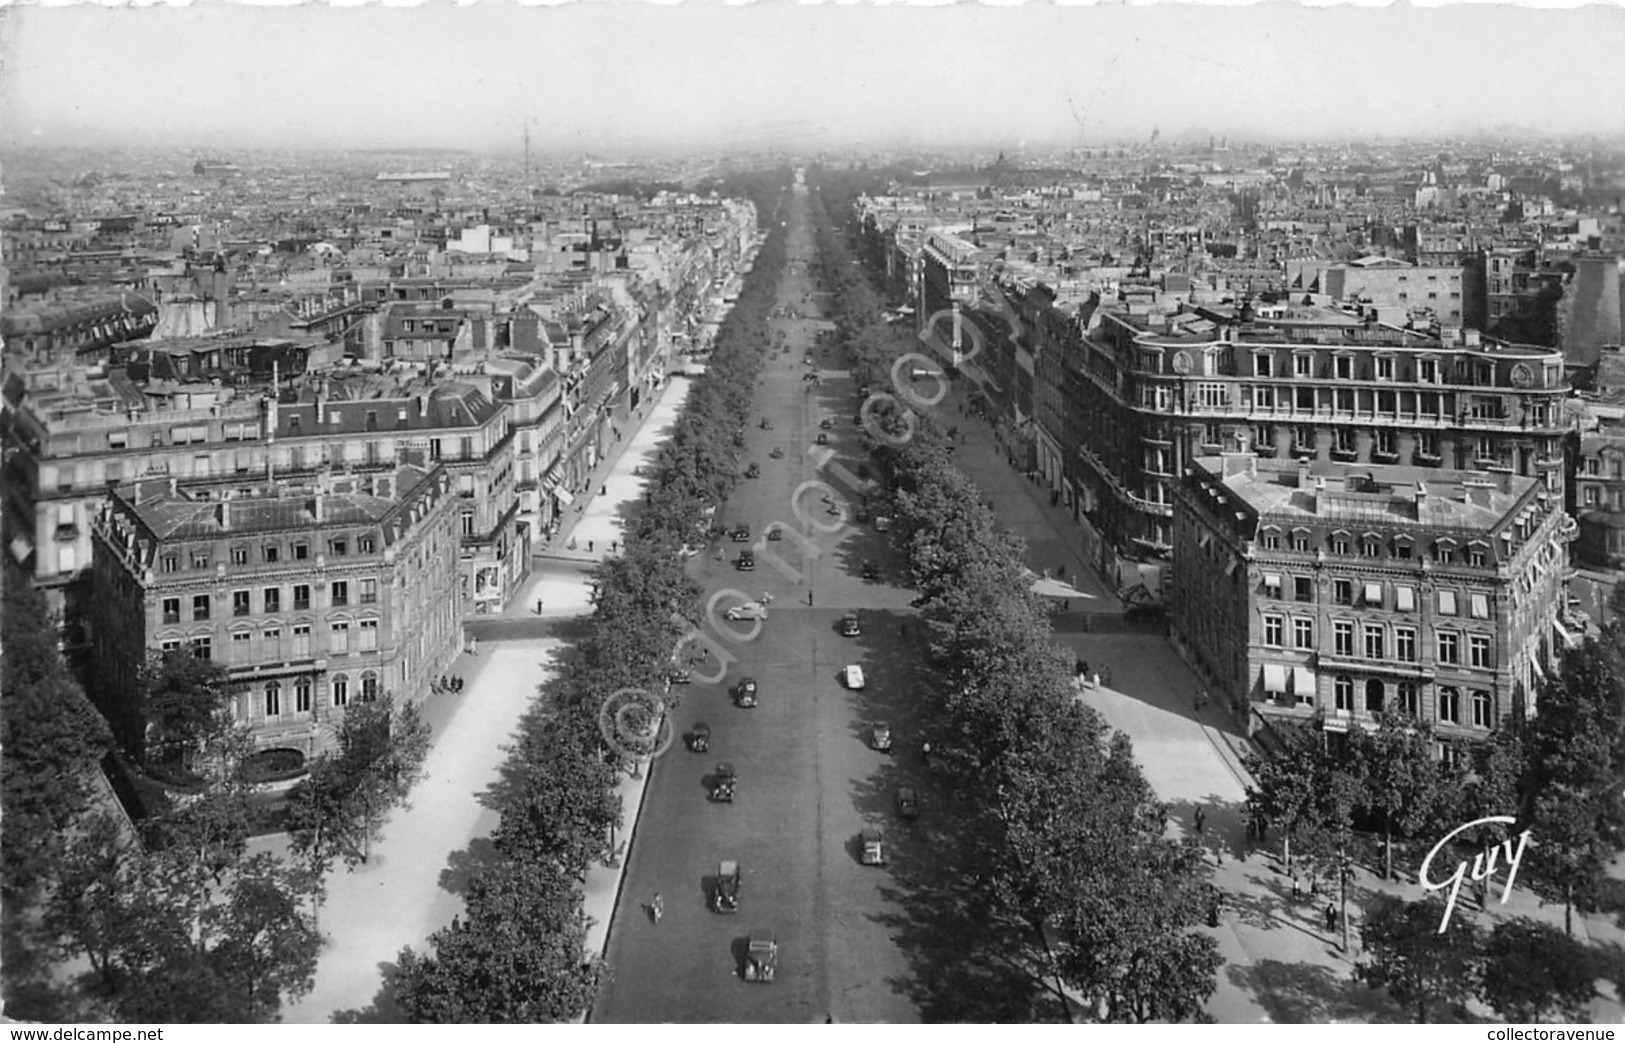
x=53, y=741
x=1401, y=777
x=185, y=702
x=337, y=811
x=558, y=803
x=1284, y=789
x=1419, y=966
x=518, y=955
x=1533, y=972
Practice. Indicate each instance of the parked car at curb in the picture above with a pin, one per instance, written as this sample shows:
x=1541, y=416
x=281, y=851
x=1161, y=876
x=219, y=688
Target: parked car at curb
x=852, y=677
x=761, y=956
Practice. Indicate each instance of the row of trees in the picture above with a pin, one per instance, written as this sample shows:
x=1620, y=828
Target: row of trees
x=1077, y=836
x=518, y=953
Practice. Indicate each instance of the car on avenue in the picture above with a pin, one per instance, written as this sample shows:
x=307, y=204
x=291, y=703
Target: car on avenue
x=741, y=533
x=871, y=571
x=761, y=956
x=725, y=897
x=873, y=847
x=747, y=561
x=826, y=423
x=745, y=692
x=880, y=736
x=849, y=625
x=882, y=524
x=852, y=677
x=822, y=438
x=908, y=803
x=753, y=471
x=777, y=453
x=749, y=610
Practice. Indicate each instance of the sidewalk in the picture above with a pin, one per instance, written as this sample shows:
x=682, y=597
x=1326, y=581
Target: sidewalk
x=1054, y=540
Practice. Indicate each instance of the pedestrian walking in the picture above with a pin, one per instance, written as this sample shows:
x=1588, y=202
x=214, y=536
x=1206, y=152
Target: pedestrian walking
x=809, y=599
x=1297, y=889
x=1201, y=818
x=589, y=546
x=603, y=490
x=613, y=544
x=473, y=646
x=1331, y=917
x=538, y=606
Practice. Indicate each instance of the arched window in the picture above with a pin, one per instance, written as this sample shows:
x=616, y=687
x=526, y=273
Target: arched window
x=341, y=690
x=1481, y=708
x=1408, y=702
x=1374, y=694
x=273, y=699
x=1450, y=705
x=369, y=685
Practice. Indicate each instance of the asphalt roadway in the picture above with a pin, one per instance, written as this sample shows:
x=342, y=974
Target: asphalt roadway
x=808, y=779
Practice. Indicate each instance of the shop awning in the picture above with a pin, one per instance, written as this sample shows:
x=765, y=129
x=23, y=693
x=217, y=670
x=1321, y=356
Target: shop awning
x=1405, y=599
x=1373, y=593
x=1303, y=681
x=563, y=496
x=1274, y=679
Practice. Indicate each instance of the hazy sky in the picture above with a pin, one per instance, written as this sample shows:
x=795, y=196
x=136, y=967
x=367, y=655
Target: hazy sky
x=602, y=76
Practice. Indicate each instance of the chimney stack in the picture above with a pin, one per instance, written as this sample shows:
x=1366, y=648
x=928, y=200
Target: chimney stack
x=1303, y=472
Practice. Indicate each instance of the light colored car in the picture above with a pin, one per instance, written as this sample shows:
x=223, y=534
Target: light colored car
x=882, y=524
x=873, y=842
x=761, y=957
x=749, y=610
x=852, y=677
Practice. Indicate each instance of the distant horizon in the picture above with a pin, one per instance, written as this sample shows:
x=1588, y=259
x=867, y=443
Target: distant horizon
x=620, y=79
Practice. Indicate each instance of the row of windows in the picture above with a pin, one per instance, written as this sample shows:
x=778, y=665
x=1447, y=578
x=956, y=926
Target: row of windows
x=1371, y=594
x=271, y=600
x=1450, y=707
x=271, y=645
x=338, y=687
x=1373, y=641
x=1401, y=547
x=271, y=553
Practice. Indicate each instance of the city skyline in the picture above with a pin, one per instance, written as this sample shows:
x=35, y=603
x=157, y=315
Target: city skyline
x=619, y=77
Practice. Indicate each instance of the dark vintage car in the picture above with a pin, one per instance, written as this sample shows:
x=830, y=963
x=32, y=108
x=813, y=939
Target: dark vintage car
x=880, y=736
x=908, y=803
x=699, y=739
x=741, y=533
x=679, y=675
x=745, y=692
x=826, y=423
x=777, y=453
x=871, y=570
x=861, y=515
x=726, y=779
x=822, y=438
x=747, y=561
x=725, y=898
x=753, y=471
x=775, y=532
x=761, y=956
x=849, y=625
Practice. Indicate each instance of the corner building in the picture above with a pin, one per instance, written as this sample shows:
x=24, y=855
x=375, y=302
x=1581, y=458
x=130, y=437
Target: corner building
x=1342, y=591
x=313, y=597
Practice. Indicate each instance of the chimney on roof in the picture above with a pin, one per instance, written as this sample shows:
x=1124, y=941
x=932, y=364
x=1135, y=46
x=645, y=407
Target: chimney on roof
x=1303, y=472
x=1239, y=464
x=174, y=487
x=1506, y=482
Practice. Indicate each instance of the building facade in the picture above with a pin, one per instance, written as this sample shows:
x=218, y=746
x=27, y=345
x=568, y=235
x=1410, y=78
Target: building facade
x=1337, y=591
x=313, y=596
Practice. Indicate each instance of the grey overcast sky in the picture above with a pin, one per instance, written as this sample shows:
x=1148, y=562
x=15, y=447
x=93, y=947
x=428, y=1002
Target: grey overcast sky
x=614, y=76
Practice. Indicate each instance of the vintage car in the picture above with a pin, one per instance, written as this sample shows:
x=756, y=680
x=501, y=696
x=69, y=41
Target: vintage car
x=872, y=844
x=826, y=423
x=679, y=675
x=852, y=677
x=861, y=515
x=741, y=533
x=849, y=625
x=822, y=438
x=749, y=610
x=880, y=736
x=725, y=898
x=745, y=692
x=882, y=524
x=753, y=471
x=725, y=780
x=871, y=570
x=777, y=453
x=761, y=956
x=747, y=561
x=699, y=738
x=908, y=803
x=775, y=532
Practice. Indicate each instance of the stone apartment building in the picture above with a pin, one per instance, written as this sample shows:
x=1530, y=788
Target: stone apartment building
x=314, y=594
x=1146, y=395
x=1343, y=590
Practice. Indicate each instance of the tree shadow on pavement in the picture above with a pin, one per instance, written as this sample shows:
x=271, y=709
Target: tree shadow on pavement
x=1300, y=993
x=462, y=866
x=383, y=1010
